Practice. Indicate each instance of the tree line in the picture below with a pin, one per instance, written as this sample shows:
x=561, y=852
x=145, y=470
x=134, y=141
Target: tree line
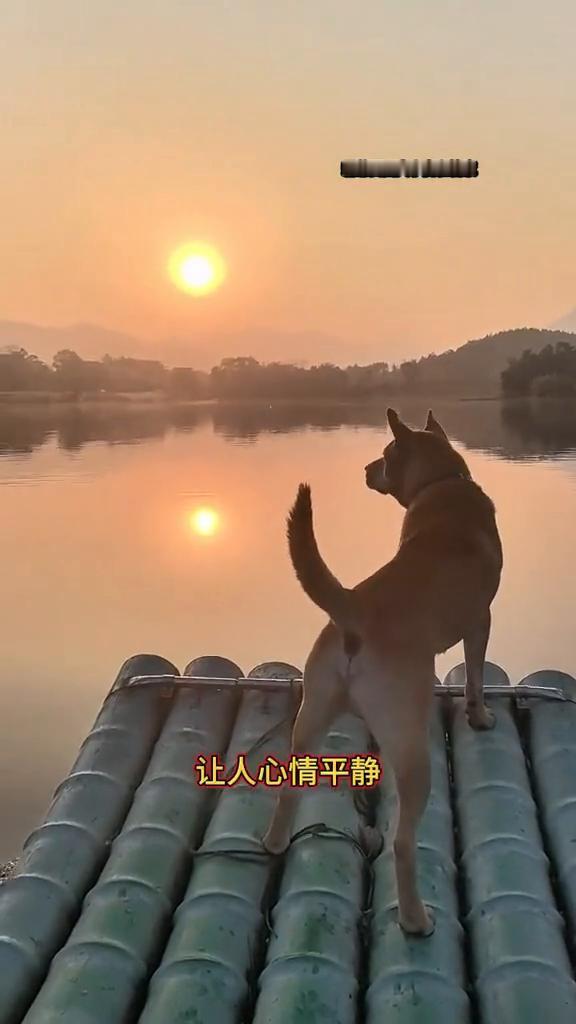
x=551, y=372
x=237, y=377
x=70, y=374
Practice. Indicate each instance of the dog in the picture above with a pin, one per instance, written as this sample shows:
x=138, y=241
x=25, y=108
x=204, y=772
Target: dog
x=377, y=654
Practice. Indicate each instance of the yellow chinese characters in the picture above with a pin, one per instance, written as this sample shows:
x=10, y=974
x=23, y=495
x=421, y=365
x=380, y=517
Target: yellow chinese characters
x=302, y=771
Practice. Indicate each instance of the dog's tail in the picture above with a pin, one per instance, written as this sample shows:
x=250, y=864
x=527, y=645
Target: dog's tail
x=314, y=575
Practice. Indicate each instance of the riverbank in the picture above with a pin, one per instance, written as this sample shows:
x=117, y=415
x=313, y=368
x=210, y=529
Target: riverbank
x=51, y=399
x=157, y=400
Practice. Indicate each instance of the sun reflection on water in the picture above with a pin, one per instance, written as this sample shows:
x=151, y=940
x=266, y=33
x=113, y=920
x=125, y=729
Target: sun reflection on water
x=204, y=521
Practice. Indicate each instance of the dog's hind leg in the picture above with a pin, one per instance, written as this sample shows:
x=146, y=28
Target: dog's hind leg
x=475, y=644
x=323, y=698
x=399, y=721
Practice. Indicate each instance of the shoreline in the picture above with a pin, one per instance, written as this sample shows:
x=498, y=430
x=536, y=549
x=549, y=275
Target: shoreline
x=35, y=400
x=19, y=401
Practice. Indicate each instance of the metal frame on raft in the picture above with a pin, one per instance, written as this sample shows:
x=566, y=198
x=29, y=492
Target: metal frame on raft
x=519, y=693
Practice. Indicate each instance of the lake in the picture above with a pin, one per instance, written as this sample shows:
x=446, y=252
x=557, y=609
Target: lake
x=150, y=529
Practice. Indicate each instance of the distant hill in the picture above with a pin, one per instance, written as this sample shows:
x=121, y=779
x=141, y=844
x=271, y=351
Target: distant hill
x=88, y=340
x=303, y=348
x=566, y=322
x=91, y=341
x=475, y=367
x=472, y=369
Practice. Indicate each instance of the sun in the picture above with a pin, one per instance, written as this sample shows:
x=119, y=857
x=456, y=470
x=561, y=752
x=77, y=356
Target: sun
x=205, y=521
x=197, y=268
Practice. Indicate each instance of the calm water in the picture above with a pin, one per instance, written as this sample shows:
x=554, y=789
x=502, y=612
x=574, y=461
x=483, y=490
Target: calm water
x=102, y=556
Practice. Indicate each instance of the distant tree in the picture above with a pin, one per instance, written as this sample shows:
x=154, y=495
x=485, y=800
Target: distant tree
x=76, y=376
x=411, y=372
x=21, y=371
x=542, y=367
x=245, y=377
x=127, y=374
x=237, y=377
x=327, y=381
x=183, y=382
x=552, y=372
x=365, y=380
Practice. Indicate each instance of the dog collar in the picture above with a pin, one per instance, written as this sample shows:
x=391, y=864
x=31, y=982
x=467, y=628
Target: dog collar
x=442, y=480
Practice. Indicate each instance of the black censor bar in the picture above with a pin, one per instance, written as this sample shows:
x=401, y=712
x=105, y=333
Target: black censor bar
x=409, y=168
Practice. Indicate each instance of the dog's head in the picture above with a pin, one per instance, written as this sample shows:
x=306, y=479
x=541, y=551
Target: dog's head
x=414, y=459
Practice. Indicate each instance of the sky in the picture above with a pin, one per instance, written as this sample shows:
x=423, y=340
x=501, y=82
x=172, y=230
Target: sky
x=130, y=129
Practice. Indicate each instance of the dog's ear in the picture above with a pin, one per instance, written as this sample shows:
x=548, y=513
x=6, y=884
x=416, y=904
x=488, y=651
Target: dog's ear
x=400, y=430
x=433, y=427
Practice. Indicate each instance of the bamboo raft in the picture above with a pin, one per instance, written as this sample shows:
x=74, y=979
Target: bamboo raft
x=146, y=897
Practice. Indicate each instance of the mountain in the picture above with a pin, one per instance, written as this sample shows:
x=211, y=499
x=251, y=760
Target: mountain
x=304, y=348
x=476, y=366
x=88, y=340
x=566, y=322
x=92, y=342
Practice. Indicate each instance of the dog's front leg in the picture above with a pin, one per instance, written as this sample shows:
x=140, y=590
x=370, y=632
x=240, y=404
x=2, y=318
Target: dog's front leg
x=411, y=766
x=475, y=644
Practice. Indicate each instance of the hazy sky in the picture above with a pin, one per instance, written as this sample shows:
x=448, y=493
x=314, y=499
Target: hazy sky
x=128, y=129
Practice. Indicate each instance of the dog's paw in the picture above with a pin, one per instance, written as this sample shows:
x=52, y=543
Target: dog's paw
x=419, y=926
x=481, y=719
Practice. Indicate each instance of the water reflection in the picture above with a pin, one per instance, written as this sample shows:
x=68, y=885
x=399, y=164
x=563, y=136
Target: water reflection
x=514, y=430
x=547, y=428
x=23, y=430
x=168, y=535
x=204, y=521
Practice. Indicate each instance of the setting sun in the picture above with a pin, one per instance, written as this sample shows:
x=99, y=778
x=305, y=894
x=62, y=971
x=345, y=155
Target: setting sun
x=205, y=521
x=197, y=268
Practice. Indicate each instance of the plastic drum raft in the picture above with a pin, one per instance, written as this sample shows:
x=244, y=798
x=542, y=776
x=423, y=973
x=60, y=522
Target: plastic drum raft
x=147, y=897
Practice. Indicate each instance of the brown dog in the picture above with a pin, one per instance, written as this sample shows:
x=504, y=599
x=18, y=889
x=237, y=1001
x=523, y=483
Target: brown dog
x=377, y=654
